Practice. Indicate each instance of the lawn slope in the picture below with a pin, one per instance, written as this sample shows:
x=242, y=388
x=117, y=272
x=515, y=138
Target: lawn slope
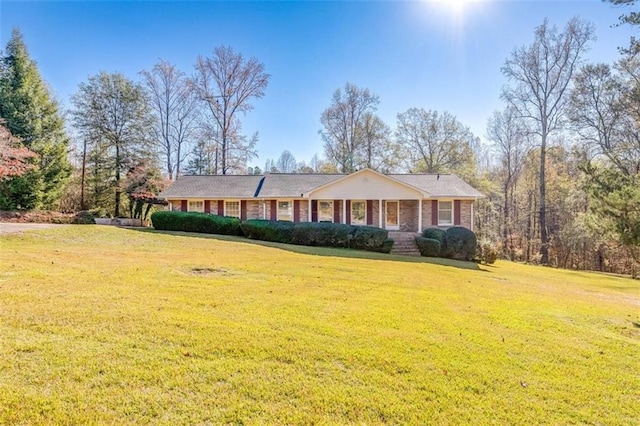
x=106, y=325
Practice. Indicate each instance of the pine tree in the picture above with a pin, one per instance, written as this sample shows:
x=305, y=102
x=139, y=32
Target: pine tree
x=32, y=116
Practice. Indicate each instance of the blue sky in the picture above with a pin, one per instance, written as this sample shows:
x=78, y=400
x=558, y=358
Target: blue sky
x=424, y=54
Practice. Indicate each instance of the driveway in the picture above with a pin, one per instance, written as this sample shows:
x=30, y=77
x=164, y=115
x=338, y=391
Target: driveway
x=12, y=227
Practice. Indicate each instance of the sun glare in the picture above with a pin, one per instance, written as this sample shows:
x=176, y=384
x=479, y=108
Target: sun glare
x=454, y=14
x=456, y=6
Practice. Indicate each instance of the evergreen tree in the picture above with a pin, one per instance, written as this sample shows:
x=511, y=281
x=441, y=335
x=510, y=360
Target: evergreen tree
x=32, y=115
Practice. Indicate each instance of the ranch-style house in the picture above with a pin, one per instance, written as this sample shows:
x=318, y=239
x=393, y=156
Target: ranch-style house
x=396, y=202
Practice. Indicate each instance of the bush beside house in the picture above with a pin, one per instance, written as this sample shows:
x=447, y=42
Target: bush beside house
x=305, y=233
x=195, y=222
x=322, y=234
x=428, y=247
x=457, y=243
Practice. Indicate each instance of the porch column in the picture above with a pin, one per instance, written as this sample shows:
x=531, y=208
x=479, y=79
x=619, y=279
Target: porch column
x=309, y=204
x=472, y=215
x=419, y=215
x=380, y=213
x=344, y=211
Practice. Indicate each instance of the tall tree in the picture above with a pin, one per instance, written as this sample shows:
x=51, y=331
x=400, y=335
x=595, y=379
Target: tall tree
x=379, y=151
x=434, y=142
x=112, y=113
x=31, y=115
x=541, y=74
x=286, y=162
x=227, y=83
x=344, y=127
x=175, y=112
x=509, y=138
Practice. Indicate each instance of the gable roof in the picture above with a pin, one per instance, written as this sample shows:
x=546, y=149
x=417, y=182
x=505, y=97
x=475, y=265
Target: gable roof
x=216, y=186
x=385, y=178
x=291, y=185
x=440, y=185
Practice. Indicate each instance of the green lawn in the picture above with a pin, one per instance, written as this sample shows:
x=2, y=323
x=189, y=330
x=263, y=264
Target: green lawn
x=105, y=325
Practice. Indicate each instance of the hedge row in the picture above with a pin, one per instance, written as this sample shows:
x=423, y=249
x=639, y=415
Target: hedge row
x=305, y=233
x=321, y=234
x=195, y=222
x=455, y=243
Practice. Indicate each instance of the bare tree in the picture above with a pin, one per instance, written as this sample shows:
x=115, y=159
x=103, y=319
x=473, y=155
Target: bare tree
x=509, y=137
x=379, y=151
x=541, y=75
x=227, y=83
x=343, y=123
x=434, y=142
x=598, y=115
x=286, y=162
x=175, y=110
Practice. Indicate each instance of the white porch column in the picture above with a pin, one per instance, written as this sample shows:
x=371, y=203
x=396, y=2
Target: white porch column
x=309, y=209
x=344, y=211
x=419, y=215
x=472, y=215
x=380, y=213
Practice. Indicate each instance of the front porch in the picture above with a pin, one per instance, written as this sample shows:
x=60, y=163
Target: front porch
x=393, y=215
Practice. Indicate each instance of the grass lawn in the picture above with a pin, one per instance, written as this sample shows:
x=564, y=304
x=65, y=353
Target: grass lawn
x=105, y=325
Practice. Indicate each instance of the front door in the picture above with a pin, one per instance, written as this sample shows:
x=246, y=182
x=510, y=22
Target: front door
x=392, y=215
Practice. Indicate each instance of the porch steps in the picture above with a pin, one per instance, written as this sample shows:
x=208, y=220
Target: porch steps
x=404, y=243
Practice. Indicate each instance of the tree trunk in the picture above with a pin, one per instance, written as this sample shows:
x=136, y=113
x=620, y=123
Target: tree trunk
x=117, y=207
x=505, y=230
x=544, y=238
x=82, y=181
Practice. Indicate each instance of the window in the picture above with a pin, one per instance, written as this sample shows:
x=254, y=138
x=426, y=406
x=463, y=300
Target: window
x=358, y=212
x=196, y=206
x=325, y=211
x=232, y=208
x=445, y=213
x=285, y=210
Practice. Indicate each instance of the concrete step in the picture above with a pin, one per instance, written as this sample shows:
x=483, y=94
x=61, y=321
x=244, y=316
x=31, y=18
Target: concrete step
x=404, y=244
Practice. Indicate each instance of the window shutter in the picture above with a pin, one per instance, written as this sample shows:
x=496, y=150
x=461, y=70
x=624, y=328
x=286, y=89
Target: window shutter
x=369, y=212
x=274, y=210
x=296, y=211
x=336, y=211
x=347, y=220
x=243, y=210
x=183, y=205
x=220, y=207
x=456, y=212
x=434, y=212
x=207, y=206
x=314, y=210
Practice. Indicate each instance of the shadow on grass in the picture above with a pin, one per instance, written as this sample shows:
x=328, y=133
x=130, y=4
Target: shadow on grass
x=323, y=251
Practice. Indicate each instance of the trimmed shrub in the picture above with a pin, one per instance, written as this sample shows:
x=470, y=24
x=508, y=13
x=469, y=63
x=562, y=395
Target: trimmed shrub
x=429, y=247
x=267, y=230
x=386, y=246
x=322, y=234
x=370, y=238
x=435, y=234
x=460, y=244
x=196, y=222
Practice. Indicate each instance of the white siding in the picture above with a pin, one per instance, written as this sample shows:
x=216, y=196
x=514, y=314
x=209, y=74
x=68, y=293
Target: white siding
x=366, y=185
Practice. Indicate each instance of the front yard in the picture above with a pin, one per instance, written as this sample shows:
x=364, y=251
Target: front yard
x=109, y=325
